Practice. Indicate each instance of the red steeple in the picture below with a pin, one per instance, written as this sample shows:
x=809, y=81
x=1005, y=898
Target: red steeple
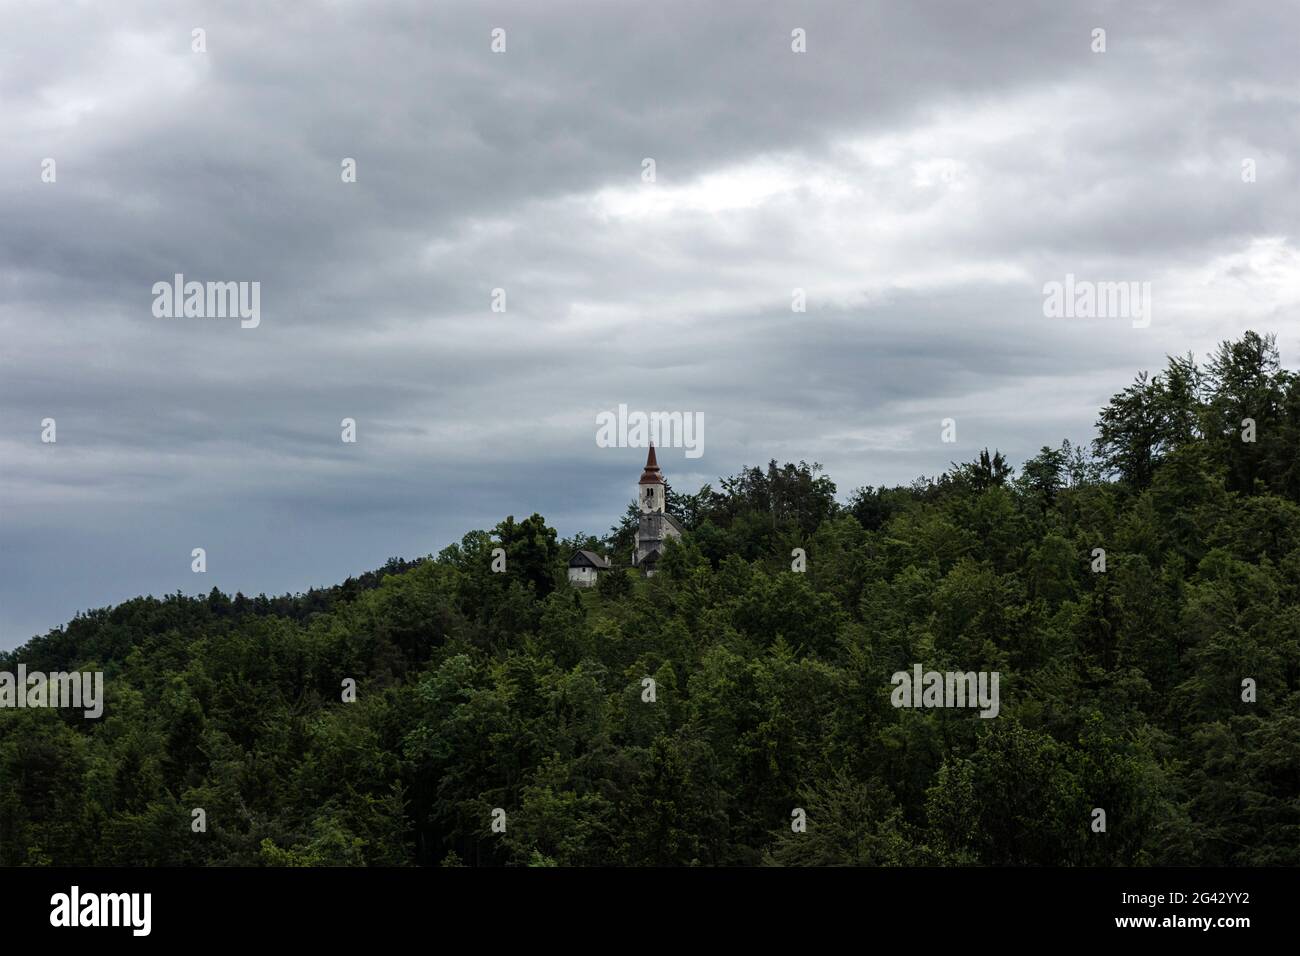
x=651, y=474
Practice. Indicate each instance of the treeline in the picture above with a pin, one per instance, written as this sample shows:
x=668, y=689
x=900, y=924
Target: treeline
x=1124, y=689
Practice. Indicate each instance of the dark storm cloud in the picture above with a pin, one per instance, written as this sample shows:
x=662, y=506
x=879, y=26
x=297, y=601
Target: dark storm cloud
x=921, y=172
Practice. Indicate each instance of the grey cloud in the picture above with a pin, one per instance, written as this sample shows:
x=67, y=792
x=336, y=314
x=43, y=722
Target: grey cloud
x=522, y=171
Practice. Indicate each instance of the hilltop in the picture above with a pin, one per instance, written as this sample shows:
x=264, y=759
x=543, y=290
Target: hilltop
x=1122, y=688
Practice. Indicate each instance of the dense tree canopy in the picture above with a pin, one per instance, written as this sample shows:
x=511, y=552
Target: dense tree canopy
x=1122, y=688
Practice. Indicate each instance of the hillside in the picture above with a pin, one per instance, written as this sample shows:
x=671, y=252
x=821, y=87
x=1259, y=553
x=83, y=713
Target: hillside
x=1121, y=689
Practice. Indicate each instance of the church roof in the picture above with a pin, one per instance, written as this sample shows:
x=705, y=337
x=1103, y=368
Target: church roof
x=651, y=474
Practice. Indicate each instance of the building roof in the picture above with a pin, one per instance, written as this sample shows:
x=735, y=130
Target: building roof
x=584, y=558
x=651, y=474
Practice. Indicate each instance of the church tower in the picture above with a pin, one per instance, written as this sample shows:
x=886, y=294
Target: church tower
x=651, y=487
x=655, y=525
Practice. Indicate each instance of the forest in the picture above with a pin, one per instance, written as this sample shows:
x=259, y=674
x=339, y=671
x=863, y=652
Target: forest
x=1160, y=684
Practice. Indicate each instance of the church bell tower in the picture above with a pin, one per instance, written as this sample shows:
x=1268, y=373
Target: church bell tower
x=650, y=490
x=655, y=525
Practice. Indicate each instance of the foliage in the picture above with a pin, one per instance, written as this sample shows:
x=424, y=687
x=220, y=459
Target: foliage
x=1120, y=690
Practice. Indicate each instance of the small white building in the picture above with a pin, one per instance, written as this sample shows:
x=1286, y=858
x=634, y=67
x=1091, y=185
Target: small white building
x=585, y=568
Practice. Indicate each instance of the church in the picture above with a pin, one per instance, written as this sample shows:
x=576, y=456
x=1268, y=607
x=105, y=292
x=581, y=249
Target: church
x=655, y=527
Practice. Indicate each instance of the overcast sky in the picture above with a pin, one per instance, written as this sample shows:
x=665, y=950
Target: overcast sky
x=921, y=172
